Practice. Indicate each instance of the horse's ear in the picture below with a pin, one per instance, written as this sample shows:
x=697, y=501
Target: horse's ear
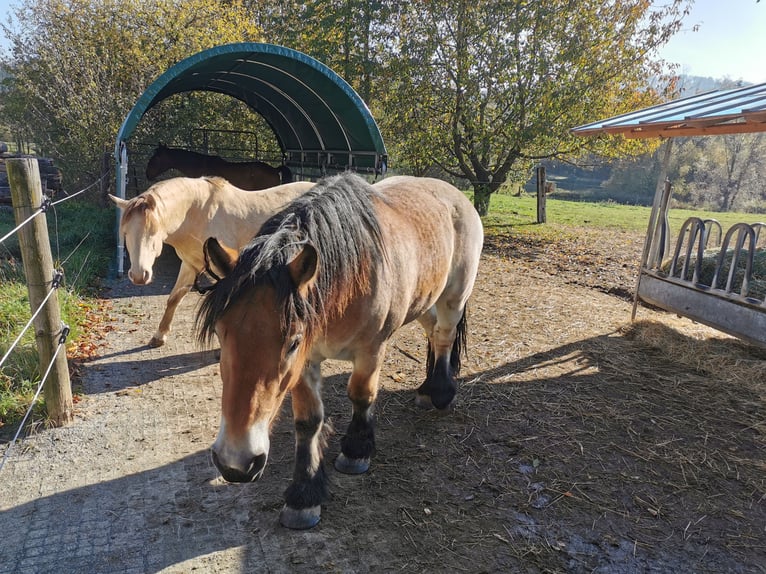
x=118, y=201
x=219, y=259
x=304, y=268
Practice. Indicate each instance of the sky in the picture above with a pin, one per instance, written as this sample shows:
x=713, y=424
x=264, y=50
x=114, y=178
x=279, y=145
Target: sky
x=729, y=42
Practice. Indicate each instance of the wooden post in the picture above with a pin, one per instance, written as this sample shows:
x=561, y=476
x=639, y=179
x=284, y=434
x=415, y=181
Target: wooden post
x=655, y=242
x=26, y=195
x=541, y=216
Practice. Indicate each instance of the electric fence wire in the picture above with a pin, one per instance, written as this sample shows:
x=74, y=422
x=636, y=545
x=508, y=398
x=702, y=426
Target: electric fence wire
x=57, y=277
x=55, y=284
x=48, y=203
x=75, y=194
x=61, y=342
x=37, y=212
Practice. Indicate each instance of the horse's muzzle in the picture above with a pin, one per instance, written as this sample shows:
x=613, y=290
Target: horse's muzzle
x=144, y=279
x=253, y=472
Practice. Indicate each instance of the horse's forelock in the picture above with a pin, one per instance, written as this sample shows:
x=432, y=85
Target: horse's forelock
x=262, y=262
x=144, y=204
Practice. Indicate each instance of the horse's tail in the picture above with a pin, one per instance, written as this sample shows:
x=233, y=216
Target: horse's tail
x=459, y=346
x=285, y=175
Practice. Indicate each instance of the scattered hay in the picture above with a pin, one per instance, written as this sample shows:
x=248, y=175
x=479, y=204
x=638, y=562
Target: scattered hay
x=727, y=359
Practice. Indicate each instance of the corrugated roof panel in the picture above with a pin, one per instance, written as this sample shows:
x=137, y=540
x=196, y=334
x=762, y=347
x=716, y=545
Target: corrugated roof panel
x=718, y=112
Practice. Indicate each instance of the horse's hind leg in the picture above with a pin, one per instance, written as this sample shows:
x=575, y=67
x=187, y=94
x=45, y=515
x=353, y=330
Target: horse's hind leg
x=184, y=282
x=358, y=444
x=445, y=327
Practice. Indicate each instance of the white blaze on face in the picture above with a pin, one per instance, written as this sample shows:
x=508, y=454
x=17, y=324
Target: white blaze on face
x=143, y=251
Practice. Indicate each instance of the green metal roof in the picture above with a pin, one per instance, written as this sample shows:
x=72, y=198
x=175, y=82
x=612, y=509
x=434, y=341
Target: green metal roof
x=317, y=118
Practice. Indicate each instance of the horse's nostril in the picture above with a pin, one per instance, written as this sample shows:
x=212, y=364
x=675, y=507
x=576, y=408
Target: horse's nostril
x=143, y=279
x=251, y=474
x=256, y=466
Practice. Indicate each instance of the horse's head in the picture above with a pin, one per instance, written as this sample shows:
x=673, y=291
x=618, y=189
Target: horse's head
x=158, y=163
x=262, y=321
x=143, y=235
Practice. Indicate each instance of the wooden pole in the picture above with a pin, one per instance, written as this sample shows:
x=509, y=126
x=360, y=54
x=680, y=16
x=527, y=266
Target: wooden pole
x=655, y=242
x=541, y=215
x=26, y=195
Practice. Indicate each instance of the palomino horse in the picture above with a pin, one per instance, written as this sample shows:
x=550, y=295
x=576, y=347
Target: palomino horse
x=249, y=175
x=183, y=212
x=333, y=275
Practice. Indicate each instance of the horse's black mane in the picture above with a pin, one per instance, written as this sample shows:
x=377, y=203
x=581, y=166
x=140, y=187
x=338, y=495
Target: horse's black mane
x=338, y=218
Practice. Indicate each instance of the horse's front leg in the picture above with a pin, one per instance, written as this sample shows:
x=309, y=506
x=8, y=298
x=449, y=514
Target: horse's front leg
x=358, y=444
x=184, y=282
x=304, y=497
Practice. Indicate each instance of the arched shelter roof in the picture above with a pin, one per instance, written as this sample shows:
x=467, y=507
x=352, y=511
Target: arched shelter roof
x=317, y=118
x=319, y=121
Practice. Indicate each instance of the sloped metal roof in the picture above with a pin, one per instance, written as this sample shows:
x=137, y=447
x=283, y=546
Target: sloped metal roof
x=317, y=118
x=735, y=111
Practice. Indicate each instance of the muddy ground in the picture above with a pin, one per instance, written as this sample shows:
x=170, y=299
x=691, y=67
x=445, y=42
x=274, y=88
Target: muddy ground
x=579, y=443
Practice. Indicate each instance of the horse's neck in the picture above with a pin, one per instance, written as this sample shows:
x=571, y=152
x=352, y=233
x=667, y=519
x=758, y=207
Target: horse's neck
x=174, y=209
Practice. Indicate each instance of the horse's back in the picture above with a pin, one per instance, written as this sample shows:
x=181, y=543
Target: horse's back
x=437, y=210
x=243, y=212
x=213, y=207
x=433, y=238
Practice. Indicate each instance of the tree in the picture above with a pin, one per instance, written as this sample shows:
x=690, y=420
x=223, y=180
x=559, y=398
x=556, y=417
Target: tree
x=349, y=36
x=483, y=87
x=721, y=173
x=76, y=67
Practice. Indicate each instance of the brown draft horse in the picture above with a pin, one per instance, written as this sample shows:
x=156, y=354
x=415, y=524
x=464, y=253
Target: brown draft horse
x=249, y=175
x=333, y=275
x=183, y=212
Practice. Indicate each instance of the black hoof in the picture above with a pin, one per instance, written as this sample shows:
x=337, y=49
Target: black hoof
x=425, y=403
x=300, y=518
x=351, y=465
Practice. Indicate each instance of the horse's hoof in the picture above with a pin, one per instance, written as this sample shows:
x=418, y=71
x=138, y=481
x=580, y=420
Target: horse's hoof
x=300, y=518
x=156, y=342
x=351, y=465
x=425, y=402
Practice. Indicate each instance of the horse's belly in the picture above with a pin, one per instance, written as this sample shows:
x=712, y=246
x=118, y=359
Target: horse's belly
x=325, y=350
x=362, y=329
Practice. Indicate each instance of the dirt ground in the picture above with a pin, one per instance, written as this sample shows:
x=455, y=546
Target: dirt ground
x=579, y=443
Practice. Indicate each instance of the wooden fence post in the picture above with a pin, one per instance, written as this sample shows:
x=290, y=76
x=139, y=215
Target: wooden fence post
x=541, y=215
x=26, y=195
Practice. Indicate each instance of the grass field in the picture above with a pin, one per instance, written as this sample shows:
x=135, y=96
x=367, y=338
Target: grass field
x=508, y=211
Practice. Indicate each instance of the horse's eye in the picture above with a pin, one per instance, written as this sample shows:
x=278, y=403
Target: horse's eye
x=294, y=344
